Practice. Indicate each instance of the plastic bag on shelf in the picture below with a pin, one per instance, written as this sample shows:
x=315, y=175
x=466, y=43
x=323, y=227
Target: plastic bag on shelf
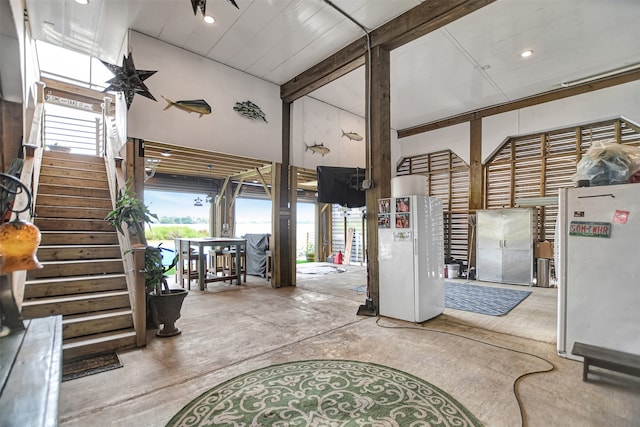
x=608, y=163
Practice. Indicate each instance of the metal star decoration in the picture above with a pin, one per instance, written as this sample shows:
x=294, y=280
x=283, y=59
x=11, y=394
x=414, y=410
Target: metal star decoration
x=128, y=80
x=199, y=4
x=202, y=6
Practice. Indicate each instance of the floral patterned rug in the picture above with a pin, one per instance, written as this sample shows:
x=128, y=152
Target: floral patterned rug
x=324, y=393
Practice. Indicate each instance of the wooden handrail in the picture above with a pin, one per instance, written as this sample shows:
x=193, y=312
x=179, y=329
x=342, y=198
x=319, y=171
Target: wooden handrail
x=29, y=176
x=133, y=259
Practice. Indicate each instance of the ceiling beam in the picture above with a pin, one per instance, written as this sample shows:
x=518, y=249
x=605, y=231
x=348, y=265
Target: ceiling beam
x=264, y=183
x=252, y=172
x=411, y=25
x=552, y=95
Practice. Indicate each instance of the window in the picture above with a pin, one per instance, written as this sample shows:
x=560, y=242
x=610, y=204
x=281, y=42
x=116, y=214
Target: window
x=71, y=67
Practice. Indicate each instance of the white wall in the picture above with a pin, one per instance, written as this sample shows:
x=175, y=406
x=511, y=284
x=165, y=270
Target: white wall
x=185, y=76
x=315, y=122
x=454, y=138
x=622, y=100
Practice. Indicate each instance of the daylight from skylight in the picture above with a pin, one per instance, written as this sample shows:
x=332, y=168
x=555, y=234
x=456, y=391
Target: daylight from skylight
x=72, y=67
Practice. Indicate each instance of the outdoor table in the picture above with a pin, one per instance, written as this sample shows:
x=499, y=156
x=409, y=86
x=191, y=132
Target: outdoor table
x=200, y=243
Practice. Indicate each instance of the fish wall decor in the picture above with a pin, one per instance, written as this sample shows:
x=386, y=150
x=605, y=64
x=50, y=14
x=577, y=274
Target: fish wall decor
x=352, y=136
x=317, y=148
x=198, y=106
x=250, y=110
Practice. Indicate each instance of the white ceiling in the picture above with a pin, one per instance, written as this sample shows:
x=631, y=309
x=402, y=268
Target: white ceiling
x=469, y=64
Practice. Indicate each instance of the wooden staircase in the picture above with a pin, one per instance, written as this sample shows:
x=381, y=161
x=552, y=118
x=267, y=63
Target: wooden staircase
x=83, y=276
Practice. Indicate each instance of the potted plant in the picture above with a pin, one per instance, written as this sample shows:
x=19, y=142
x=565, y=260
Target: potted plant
x=131, y=211
x=163, y=304
x=310, y=252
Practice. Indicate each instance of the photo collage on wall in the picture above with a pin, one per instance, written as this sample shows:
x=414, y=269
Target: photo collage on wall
x=384, y=213
x=402, y=213
x=403, y=207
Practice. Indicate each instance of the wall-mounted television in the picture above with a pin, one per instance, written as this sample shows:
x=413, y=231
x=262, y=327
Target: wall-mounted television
x=341, y=186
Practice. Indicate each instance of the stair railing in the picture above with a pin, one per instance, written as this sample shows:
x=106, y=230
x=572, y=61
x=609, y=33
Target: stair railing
x=29, y=176
x=133, y=258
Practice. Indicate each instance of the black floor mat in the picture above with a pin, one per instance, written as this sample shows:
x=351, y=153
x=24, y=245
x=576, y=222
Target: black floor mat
x=89, y=366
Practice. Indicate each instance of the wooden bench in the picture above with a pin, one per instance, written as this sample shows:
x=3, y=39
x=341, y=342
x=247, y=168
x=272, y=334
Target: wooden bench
x=613, y=360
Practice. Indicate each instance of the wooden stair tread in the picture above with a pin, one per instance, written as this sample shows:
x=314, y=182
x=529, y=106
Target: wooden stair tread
x=54, y=189
x=77, y=252
x=72, y=285
x=71, y=237
x=54, y=280
x=88, y=246
x=79, y=261
x=96, y=315
x=98, y=338
x=72, y=156
x=75, y=297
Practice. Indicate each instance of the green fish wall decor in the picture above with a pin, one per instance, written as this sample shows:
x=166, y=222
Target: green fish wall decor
x=198, y=106
x=250, y=110
x=318, y=148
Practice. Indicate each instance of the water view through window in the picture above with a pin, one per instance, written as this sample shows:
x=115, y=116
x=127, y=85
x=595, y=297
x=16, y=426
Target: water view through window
x=176, y=212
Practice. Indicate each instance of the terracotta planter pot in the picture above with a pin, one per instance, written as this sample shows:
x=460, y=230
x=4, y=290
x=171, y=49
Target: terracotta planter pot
x=165, y=308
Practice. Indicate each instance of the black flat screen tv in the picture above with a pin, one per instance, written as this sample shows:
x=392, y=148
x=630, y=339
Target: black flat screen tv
x=341, y=186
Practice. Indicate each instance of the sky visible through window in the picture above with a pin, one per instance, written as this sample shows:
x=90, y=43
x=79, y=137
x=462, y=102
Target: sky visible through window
x=64, y=64
x=253, y=216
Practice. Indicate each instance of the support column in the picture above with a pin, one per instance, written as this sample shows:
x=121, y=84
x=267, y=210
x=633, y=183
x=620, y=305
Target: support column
x=293, y=222
x=282, y=271
x=475, y=183
x=134, y=166
x=378, y=155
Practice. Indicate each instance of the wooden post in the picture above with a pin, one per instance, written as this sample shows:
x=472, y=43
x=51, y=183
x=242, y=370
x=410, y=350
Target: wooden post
x=512, y=184
x=293, y=223
x=543, y=185
x=322, y=251
x=140, y=298
x=282, y=273
x=618, y=131
x=475, y=183
x=378, y=155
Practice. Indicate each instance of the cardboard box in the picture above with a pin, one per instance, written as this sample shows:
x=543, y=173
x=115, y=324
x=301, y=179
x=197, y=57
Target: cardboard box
x=544, y=250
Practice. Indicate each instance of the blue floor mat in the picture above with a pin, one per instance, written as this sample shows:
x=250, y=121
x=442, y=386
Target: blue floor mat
x=482, y=299
x=360, y=289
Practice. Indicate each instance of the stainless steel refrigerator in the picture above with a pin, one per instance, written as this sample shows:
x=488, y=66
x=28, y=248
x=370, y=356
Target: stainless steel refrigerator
x=597, y=268
x=411, y=257
x=504, y=245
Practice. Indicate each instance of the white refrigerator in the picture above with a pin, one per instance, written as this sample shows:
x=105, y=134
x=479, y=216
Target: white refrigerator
x=411, y=257
x=598, y=268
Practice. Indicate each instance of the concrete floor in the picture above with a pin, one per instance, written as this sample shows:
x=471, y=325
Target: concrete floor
x=229, y=330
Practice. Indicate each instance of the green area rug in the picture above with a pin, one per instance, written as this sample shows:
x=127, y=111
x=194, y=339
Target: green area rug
x=324, y=393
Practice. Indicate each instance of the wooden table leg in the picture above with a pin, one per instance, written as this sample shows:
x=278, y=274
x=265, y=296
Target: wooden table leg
x=201, y=267
x=238, y=268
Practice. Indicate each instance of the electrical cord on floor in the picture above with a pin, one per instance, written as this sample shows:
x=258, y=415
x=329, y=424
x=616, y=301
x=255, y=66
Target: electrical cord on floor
x=515, y=382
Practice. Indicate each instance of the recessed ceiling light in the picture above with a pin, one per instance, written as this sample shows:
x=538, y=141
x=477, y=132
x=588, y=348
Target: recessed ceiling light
x=166, y=153
x=209, y=19
x=82, y=1
x=526, y=53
